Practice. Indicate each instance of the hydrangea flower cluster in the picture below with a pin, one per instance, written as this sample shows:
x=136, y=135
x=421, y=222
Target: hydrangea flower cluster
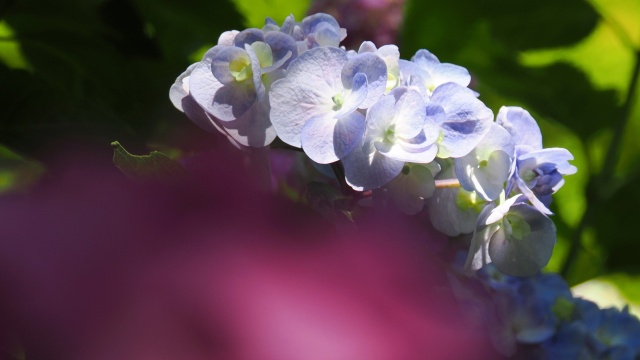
x=538, y=316
x=408, y=130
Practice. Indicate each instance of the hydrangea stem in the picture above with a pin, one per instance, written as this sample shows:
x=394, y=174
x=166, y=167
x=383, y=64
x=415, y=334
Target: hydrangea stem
x=447, y=183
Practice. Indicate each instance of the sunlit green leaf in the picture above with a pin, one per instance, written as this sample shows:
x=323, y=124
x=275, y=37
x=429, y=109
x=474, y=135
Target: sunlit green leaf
x=10, y=52
x=255, y=11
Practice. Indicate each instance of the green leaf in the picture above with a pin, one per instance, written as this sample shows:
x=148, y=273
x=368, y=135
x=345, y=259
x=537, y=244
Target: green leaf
x=156, y=165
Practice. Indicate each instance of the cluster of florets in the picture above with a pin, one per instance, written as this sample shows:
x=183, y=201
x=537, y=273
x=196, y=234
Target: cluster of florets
x=539, y=316
x=411, y=131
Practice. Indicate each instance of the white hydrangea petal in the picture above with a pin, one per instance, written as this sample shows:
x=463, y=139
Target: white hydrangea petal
x=326, y=140
x=398, y=152
x=527, y=255
x=532, y=197
x=355, y=96
x=521, y=125
x=365, y=170
x=258, y=86
x=376, y=71
x=228, y=37
x=466, y=121
x=180, y=88
x=306, y=91
x=499, y=211
x=478, y=255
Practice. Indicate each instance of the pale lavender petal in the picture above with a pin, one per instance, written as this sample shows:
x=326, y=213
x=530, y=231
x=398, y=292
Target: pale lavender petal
x=410, y=112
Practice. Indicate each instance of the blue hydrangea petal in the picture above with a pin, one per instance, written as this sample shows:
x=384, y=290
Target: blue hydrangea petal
x=486, y=168
x=425, y=59
x=466, y=121
x=521, y=125
x=221, y=57
x=326, y=140
x=440, y=73
x=558, y=156
x=355, y=97
x=531, y=196
x=248, y=37
x=306, y=91
x=409, y=112
x=376, y=71
x=284, y=49
x=253, y=128
x=413, y=75
x=365, y=170
x=444, y=73
x=523, y=256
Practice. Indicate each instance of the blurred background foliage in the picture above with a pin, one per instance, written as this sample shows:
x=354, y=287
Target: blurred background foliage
x=93, y=71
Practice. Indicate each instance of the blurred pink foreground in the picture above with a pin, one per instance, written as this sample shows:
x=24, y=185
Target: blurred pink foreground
x=96, y=266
